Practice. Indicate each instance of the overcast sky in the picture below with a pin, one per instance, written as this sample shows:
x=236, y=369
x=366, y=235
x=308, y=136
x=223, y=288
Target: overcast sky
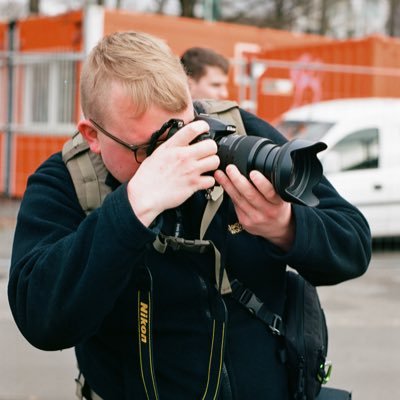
x=58, y=6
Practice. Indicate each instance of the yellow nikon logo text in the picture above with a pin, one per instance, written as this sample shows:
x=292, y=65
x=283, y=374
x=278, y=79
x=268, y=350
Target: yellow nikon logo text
x=144, y=321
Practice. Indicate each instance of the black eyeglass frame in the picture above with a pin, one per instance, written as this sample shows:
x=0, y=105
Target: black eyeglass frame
x=173, y=125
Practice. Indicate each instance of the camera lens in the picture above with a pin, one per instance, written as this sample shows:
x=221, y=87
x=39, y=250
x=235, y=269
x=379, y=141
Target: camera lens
x=293, y=168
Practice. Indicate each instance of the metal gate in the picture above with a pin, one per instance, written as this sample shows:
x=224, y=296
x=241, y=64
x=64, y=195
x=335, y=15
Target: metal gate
x=39, y=108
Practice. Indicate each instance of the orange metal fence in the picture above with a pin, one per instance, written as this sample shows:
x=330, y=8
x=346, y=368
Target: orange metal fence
x=3, y=103
x=290, y=77
x=279, y=71
x=30, y=151
x=48, y=50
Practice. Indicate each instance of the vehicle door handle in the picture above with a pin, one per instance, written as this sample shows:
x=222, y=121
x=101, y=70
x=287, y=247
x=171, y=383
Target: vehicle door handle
x=377, y=186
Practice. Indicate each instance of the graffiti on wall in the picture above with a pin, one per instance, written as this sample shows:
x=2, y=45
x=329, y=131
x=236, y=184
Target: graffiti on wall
x=307, y=80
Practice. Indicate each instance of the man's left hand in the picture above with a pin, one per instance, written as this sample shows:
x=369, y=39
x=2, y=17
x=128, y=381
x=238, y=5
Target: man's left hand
x=260, y=210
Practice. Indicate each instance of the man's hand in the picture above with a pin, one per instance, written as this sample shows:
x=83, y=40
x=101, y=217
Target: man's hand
x=173, y=173
x=259, y=208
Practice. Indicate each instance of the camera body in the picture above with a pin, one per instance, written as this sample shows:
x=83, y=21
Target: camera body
x=293, y=168
x=218, y=129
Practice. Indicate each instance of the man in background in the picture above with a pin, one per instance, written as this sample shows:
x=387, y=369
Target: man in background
x=207, y=72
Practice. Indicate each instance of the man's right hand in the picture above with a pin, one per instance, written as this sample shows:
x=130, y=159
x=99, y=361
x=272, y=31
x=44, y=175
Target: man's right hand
x=173, y=173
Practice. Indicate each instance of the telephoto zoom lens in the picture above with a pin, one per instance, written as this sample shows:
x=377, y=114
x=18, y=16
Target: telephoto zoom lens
x=293, y=168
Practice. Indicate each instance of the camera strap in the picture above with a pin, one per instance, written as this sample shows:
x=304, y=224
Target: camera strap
x=217, y=304
x=145, y=332
x=145, y=340
x=162, y=242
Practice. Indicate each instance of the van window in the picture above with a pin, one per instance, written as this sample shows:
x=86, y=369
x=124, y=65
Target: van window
x=358, y=150
x=310, y=130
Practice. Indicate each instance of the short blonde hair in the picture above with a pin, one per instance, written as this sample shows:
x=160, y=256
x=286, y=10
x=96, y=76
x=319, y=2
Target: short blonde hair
x=143, y=64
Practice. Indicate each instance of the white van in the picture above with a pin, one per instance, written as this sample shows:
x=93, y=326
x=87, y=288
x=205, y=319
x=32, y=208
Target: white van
x=363, y=156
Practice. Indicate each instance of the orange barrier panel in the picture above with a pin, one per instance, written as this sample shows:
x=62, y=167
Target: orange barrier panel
x=65, y=32
x=182, y=33
x=57, y=32
x=3, y=36
x=352, y=68
x=2, y=163
x=29, y=152
x=302, y=85
x=3, y=110
x=41, y=33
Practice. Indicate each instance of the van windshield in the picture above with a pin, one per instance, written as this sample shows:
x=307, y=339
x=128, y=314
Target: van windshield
x=310, y=130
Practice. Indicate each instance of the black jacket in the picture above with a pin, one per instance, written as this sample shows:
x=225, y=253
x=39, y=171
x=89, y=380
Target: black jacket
x=72, y=283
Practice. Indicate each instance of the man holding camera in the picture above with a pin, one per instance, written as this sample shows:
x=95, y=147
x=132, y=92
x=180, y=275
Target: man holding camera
x=140, y=284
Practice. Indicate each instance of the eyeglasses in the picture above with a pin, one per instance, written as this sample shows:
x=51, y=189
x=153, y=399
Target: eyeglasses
x=144, y=150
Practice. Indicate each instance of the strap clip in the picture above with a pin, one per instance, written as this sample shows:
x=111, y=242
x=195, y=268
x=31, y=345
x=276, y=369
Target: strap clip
x=276, y=325
x=246, y=297
x=324, y=372
x=178, y=243
x=253, y=304
x=251, y=301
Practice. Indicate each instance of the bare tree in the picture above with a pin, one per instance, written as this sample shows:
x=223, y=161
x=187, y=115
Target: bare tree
x=279, y=14
x=159, y=6
x=323, y=25
x=393, y=22
x=34, y=6
x=312, y=16
x=187, y=8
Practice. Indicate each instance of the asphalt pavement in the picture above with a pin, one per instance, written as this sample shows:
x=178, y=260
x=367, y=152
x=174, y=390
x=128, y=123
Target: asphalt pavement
x=363, y=317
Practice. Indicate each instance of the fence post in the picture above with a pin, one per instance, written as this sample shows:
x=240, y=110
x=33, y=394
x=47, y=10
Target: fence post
x=10, y=108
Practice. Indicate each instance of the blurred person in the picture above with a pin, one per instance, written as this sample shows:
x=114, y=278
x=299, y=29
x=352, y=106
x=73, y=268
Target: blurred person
x=148, y=319
x=207, y=72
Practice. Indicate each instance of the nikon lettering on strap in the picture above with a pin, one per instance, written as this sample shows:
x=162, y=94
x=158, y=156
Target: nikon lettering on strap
x=145, y=332
x=145, y=340
x=143, y=320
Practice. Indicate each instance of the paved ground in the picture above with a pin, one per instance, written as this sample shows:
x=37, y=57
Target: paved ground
x=363, y=317
x=25, y=372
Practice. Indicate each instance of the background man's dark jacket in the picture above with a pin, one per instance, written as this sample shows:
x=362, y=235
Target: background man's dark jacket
x=72, y=283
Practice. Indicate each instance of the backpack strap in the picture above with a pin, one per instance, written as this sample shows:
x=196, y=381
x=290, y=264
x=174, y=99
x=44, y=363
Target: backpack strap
x=225, y=110
x=253, y=304
x=303, y=329
x=87, y=171
x=215, y=198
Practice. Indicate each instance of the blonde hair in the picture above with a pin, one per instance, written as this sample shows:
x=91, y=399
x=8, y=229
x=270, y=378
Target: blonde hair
x=143, y=64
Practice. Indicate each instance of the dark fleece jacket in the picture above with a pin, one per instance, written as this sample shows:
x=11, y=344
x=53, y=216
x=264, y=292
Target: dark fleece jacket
x=73, y=283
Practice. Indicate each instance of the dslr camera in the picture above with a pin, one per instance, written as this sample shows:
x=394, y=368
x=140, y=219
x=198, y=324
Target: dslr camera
x=293, y=168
